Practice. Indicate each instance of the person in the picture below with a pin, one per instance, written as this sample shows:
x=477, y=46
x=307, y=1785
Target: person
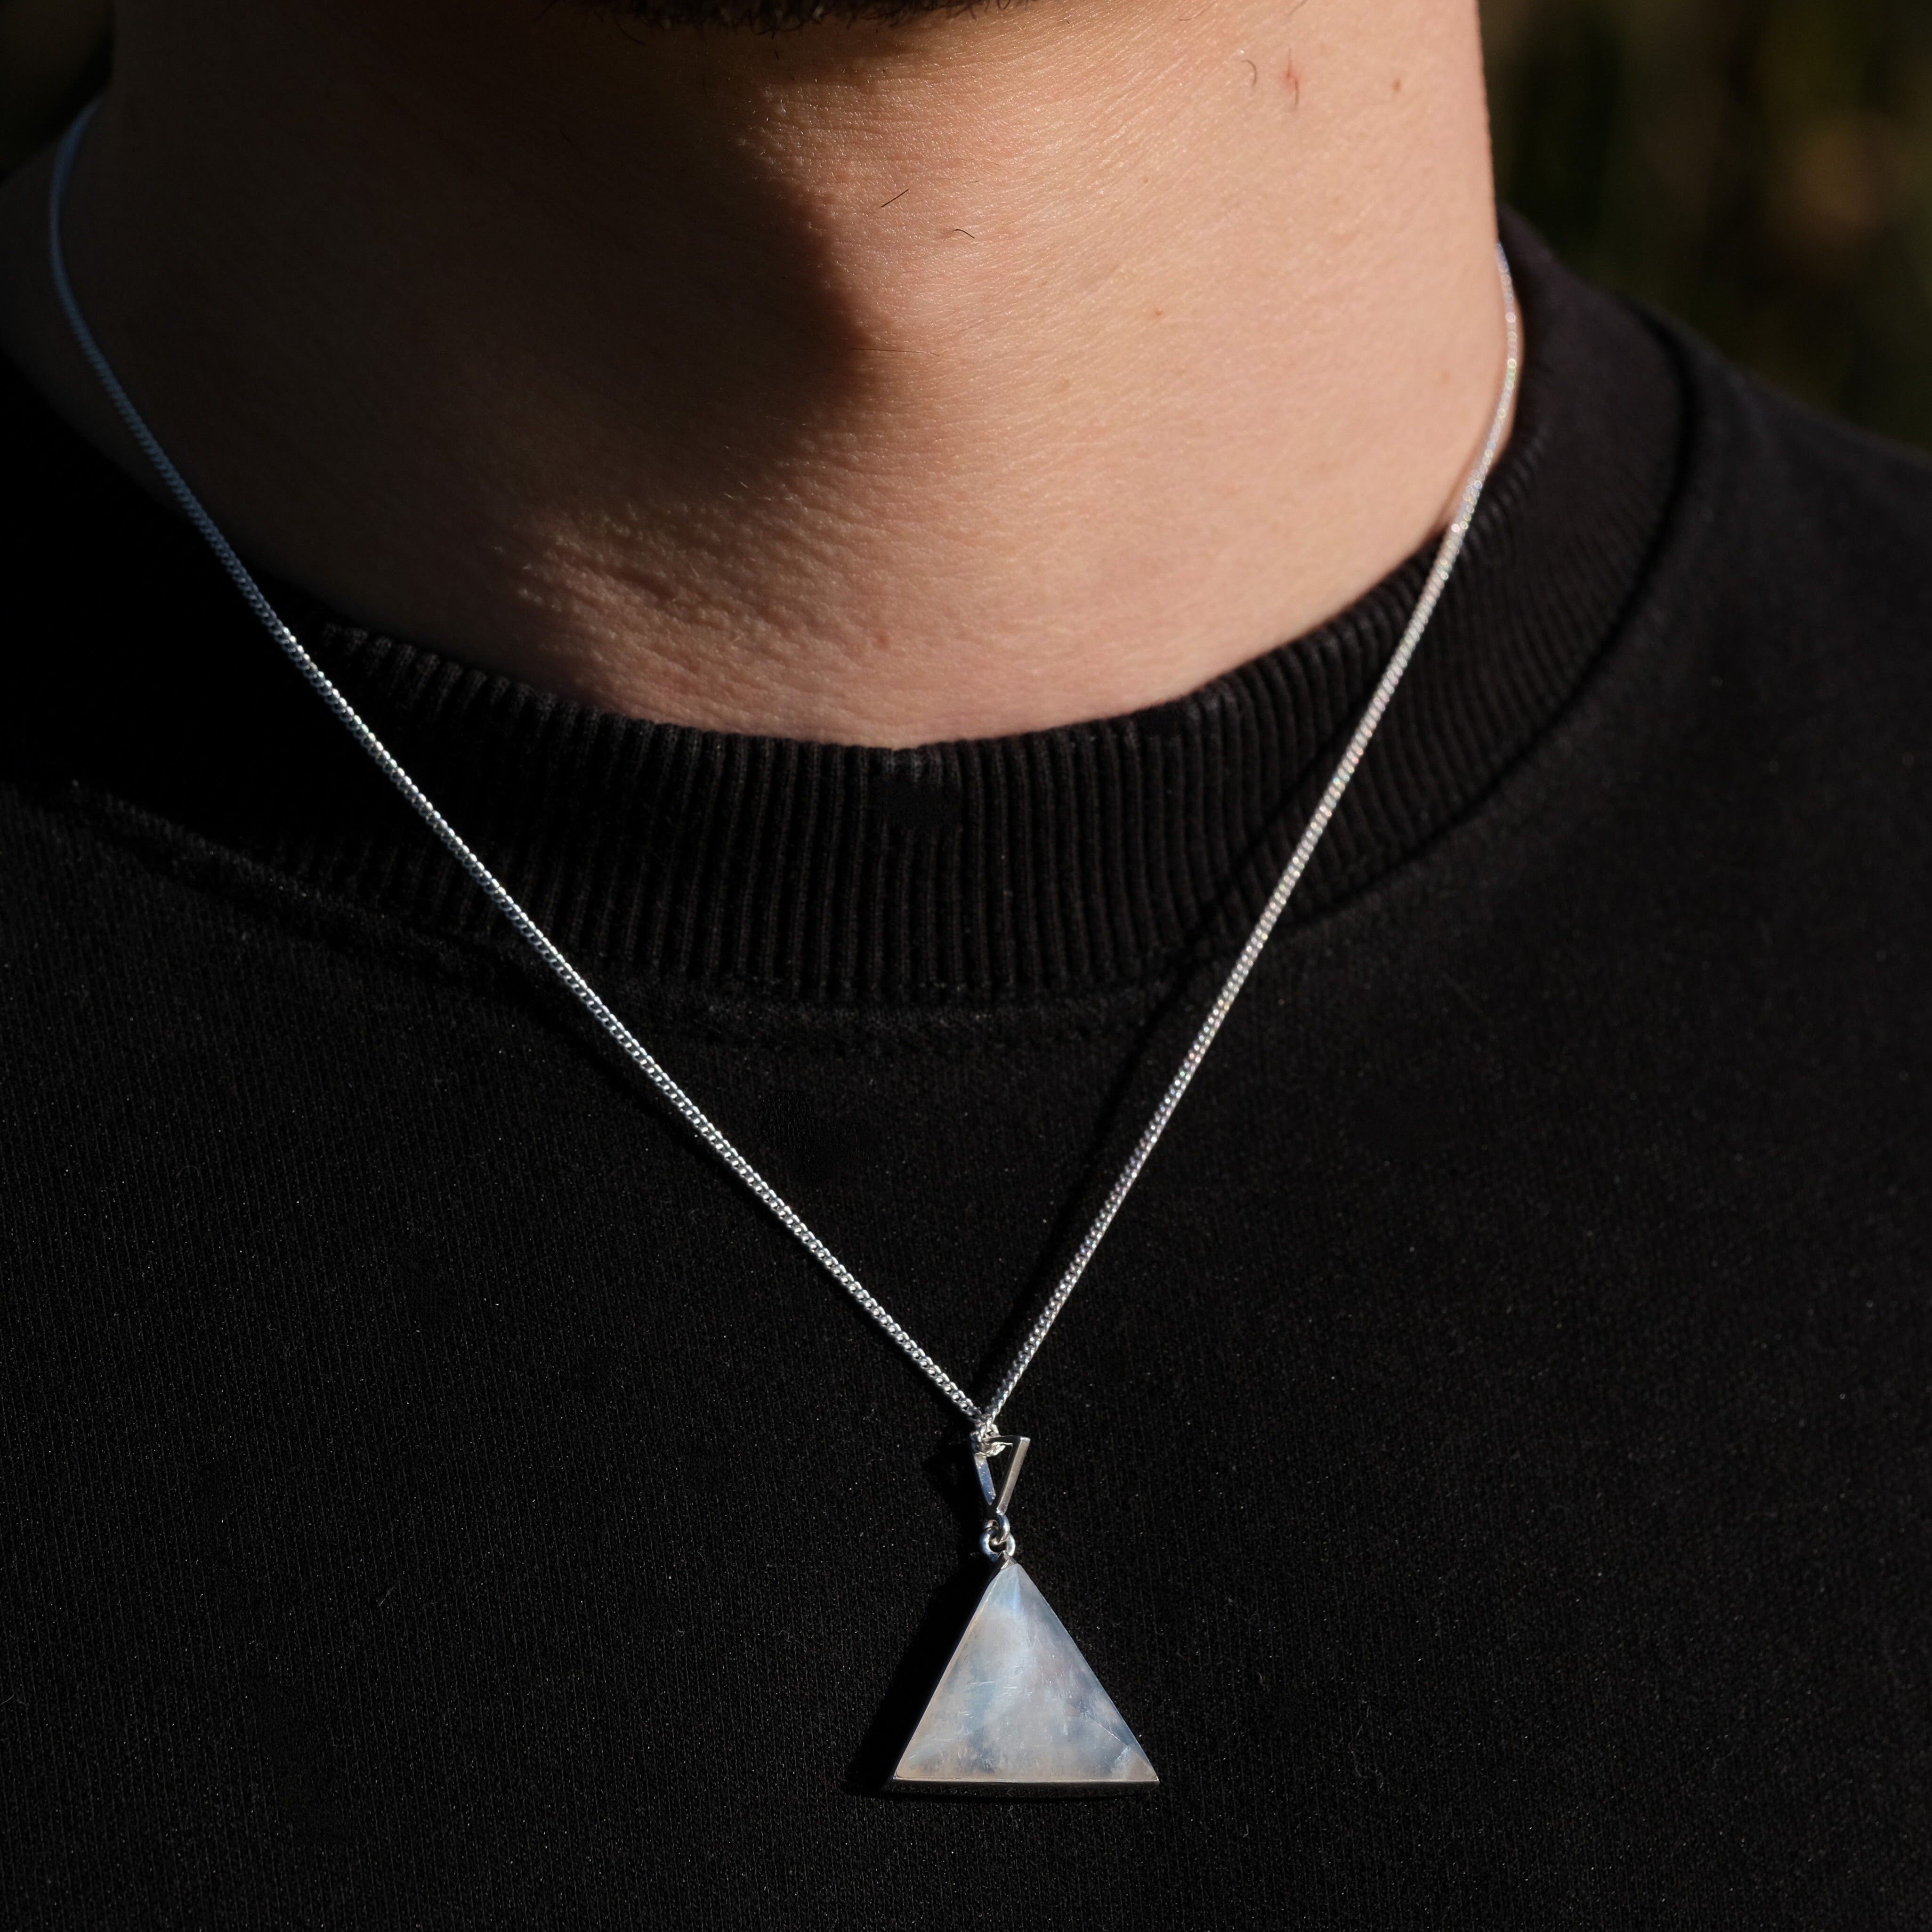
x=876, y=524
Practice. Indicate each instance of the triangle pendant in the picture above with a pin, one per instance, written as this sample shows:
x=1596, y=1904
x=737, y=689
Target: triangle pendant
x=1018, y=1704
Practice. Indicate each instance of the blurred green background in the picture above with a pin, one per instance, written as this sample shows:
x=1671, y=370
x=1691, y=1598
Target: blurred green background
x=1762, y=168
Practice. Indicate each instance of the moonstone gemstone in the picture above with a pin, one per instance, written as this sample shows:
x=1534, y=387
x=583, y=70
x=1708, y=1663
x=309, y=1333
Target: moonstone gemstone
x=1018, y=1704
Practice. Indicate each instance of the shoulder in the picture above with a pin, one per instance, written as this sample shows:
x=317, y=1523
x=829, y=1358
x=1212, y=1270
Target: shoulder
x=1824, y=520
x=1787, y=629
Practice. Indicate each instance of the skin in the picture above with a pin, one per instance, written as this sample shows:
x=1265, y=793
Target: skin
x=881, y=382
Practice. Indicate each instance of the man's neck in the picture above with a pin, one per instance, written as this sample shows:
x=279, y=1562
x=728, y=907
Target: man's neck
x=880, y=385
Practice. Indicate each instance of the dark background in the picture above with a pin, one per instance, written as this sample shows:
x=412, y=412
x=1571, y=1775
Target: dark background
x=1761, y=168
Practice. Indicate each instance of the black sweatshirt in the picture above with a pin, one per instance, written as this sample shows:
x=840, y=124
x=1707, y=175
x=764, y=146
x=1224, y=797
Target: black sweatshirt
x=1490, y=1462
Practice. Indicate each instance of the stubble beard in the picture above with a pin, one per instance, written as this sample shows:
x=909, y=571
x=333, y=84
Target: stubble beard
x=779, y=16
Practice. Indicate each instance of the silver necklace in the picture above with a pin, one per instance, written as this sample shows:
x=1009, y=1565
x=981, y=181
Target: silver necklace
x=1017, y=1703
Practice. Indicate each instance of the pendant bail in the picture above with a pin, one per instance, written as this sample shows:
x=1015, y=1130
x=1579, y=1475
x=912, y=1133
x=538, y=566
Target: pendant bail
x=998, y=1542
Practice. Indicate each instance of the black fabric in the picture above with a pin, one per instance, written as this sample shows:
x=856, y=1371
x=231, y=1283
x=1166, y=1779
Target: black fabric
x=1490, y=1462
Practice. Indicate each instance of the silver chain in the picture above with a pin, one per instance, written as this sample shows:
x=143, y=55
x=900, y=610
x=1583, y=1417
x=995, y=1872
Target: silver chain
x=983, y=1417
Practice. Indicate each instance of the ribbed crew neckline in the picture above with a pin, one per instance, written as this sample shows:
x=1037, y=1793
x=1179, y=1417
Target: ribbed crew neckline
x=1054, y=862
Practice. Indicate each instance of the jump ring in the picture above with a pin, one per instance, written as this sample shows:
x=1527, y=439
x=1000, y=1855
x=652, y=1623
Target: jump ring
x=998, y=1542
